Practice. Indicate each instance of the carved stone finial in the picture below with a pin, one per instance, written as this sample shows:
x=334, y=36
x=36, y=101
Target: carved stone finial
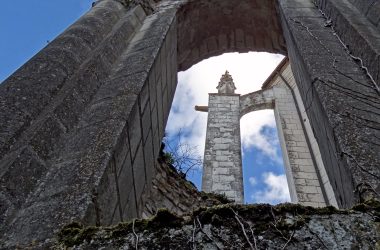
x=226, y=84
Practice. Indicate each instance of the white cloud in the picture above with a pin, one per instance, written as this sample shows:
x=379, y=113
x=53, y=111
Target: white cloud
x=275, y=191
x=249, y=71
x=251, y=127
x=252, y=181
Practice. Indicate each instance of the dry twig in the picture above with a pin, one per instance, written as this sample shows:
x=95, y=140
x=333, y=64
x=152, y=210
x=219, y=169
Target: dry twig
x=243, y=229
x=288, y=240
x=208, y=237
x=193, y=239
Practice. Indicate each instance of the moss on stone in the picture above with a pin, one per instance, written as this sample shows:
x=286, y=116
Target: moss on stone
x=164, y=218
x=370, y=206
x=75, y=233
x=218, y=197
x=273, y=221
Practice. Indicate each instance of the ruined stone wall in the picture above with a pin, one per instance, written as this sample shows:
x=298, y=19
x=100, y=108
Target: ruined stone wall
x=88, y=112
x=170, y=190
x=237, y=227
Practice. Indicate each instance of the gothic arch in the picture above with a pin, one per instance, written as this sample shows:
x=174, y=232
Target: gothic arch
x=305, y=171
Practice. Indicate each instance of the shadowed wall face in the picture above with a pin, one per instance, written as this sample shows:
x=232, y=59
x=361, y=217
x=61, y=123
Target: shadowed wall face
x=81, y=122
x=209, y=28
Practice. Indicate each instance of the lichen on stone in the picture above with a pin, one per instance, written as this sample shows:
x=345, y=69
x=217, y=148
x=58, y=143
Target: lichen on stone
x=232, y=226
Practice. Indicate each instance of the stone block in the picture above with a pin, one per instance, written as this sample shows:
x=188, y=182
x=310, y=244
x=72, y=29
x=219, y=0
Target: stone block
x=165, y=106
x=150, y=160
x=122, y=151
x=130, y=209
x=316, y=197
x=146, y=124
x=46, y=137
x=107, y=195
x=25, y=168
x=152, y=85
x=139, y=174
x=144, y=96
x=134, y=130
x=117, y=215
x=125, y=181
x=154, y=117
x=69, y=110
x=307, y=189
x=303, y=175
x=160, y=113
x=156, y=142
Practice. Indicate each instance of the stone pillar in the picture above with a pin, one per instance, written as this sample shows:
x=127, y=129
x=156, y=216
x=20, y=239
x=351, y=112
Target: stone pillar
x=222, y=171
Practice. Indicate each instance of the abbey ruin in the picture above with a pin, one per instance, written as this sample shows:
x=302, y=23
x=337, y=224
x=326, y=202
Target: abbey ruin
x=222, y=172
x=81, y=123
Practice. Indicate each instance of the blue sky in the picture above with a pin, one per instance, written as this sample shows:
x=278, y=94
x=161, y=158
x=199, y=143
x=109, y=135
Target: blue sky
x=26, y=26
x=264, y=178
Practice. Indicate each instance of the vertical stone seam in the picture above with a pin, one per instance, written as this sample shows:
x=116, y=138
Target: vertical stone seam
x=117, y=185
x=151, y=122
x=142, y=143
x=133, y=172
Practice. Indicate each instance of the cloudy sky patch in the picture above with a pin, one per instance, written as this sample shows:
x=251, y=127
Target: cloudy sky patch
x=275, y=191
x=260, y=145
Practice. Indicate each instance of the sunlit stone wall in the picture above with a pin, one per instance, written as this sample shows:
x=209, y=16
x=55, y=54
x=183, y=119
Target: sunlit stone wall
x=222, y=171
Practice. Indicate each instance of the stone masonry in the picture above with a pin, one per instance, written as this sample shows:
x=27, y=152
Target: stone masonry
x=222, y=169
x=222, y=160
x=301, y=168
x=81, y=123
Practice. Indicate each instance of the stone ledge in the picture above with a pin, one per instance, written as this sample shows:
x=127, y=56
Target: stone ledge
x=259, y=226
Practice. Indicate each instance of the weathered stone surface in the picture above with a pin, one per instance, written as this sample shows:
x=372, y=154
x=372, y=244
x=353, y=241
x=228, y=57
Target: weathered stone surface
x=222, y=168
x=169, y=190
x=336, y=94
x=262, y=226
x=223, y=148
x=70, y=107
x=210, y=28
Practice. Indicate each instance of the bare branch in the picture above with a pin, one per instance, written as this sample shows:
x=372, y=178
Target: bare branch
x=193, y=238
x=208, y=237
x=185, y=157
x=243, y=229
x=288, y=240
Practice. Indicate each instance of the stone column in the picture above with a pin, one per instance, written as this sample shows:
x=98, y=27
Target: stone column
x=222, y=171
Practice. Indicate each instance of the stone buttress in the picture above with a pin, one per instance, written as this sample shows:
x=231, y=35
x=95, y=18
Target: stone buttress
x=222, y=171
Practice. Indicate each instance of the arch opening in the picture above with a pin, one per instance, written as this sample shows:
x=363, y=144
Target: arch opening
x=201, y=79
x=264, y=175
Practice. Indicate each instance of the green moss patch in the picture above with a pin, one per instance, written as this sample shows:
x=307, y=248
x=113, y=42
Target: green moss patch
x=75, y=233
x=263, y=219
x=371, y=206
